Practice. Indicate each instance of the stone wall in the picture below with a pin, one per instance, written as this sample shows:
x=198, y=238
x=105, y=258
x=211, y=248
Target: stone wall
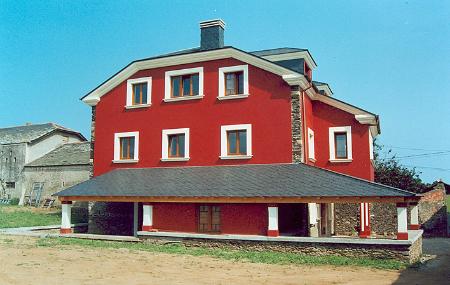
x=433, y=212
x=383, y=218
x=296, y=125
x=346, y=220
x=409, y=253
x=112, y=218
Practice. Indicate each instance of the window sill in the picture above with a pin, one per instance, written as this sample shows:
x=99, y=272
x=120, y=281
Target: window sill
x=175, y=159
x=312, y=159
x=340, y=160
x=236, y=157
x=126, y=161
x=184, y=98
x=137, y=106
x=229, y=97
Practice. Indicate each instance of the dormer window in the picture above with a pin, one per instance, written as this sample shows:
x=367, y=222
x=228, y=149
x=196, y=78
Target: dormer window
x=139, y=92
x=183, y=84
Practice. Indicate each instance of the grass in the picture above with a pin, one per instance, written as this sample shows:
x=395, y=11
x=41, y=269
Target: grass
x=268, y=257
x=18, y=216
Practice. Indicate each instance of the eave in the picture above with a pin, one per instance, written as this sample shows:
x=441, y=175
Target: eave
x=93, y=97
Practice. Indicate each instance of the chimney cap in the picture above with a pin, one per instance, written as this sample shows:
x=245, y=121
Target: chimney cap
x=212, y=23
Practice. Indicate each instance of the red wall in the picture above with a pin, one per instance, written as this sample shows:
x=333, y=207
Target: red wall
x=248, y=219
x=268, y=109
x=326, y=116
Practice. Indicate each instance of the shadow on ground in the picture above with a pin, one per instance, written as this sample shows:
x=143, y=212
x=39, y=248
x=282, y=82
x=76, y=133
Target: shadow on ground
x=434, y=271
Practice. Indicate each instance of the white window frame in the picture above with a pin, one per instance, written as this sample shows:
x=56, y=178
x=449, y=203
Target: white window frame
x=311, y=149
x=186, y=71
x=165, y=144
x=348, y=131
x=224, y=142
x=370, y=145
x=228, y=69
x=117, y=137
x=130, y=82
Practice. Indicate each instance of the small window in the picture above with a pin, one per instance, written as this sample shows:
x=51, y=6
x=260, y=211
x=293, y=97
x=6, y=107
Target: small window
x=234, y=83
x=209, y=219
x=176, y=145
x=127, y=148
x=237, y=142
x=139, y=93
x=311, y=150
x=185, y=85
x=340, y=142
x=10, y=185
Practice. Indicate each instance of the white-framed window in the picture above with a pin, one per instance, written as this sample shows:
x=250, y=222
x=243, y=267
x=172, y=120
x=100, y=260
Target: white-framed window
x=311, y=151
x=233, y=82
x=370, y=145
x=139, y=92
x=183, y=84
x=175, y=145
x=340, y=140
x=126, y=147
x=236, y=141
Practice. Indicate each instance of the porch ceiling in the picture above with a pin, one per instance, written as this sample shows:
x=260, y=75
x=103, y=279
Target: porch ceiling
x=264, y=183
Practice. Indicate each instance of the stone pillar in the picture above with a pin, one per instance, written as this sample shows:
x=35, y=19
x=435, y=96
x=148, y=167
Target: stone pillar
x=66, y=225
x=135, y=218
x=414, y=222
x=402, y=221
x=364, y=231
x=272, y=230
x=147, y=222
x=296, y=125
x=313, y=218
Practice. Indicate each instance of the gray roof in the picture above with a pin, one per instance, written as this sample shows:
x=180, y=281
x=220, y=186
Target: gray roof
x=66, y=154
x=275, y=51
x=263, y=180
x=30, y=133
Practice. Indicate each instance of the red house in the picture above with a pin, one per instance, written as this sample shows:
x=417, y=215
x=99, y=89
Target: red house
x=218, y=140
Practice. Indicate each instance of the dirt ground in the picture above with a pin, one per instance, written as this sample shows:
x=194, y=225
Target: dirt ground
x=21, y=262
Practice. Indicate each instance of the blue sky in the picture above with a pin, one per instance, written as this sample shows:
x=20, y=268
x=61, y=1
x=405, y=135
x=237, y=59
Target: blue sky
x=389, y=57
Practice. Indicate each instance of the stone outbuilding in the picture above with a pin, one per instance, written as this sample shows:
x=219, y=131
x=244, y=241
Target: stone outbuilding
x=65, y=166
x=21, y=145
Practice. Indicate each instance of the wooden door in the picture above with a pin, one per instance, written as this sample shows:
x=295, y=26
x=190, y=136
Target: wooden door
x=209, y=219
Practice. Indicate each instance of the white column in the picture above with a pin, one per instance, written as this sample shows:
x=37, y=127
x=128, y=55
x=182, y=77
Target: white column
x=364, y=220
x=273, y=222
x=414, y=225
x=313, y=215
x=66, y=225
x=147, y=222
x=402, y=221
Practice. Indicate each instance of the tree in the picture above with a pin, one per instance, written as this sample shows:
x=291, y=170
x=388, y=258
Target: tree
x=389, y=171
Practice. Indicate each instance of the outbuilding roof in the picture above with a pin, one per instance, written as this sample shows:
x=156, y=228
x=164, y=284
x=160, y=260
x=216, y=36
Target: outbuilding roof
x=67, y=154
x=248, y=181
x=32, y=132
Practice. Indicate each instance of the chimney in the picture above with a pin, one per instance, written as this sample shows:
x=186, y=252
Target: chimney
x=211, y=34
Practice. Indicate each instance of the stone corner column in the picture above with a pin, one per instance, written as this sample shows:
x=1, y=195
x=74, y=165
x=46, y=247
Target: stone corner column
x=272, y=229
x=66, y=213
x=402, y=221
x=414, y=221
x=147, y=221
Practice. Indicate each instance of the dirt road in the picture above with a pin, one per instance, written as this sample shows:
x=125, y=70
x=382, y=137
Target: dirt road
x=21, y=262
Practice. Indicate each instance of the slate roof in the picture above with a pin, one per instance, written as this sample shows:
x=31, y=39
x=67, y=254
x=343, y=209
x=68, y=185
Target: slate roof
x=30, y=133
x=67, y=154
x=275, y=51
x=268, y=180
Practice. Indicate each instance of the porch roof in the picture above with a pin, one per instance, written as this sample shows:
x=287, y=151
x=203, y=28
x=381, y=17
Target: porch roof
x=251, y=183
